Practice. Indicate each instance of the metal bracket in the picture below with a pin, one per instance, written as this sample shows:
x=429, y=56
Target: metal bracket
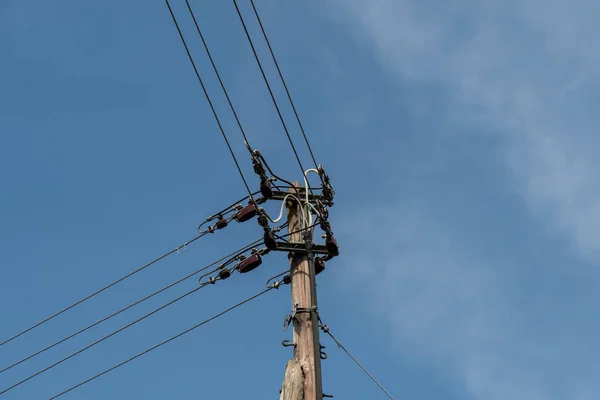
x=292, y=316
x=305, y=310
x=286, y=322
x=286, y=343
x=312, y=198
x=300, y=248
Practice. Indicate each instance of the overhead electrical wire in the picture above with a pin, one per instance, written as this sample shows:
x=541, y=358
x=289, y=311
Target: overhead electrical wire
x=162, y=343
x=97, y=292
x=267, y=83
x=283, y=82
x=231, y=106
x=189, y=6
x=204, y=284
x=290, y=184
x=326, y=329
x=105, y=337
x=210, y=103
x=239, y=251
x=230, y=256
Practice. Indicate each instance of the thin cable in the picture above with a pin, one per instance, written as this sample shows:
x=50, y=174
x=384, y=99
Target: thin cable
x=326, y=329
x=102, y=290
x=187, y=50
x=267, y=83
x=161, y=343
x=306, y=179
x=189, y=6
x=290, y=184
x=307, y=203
x=283, y=206
x=241, y=250
x=284, y=84
x=105, y=337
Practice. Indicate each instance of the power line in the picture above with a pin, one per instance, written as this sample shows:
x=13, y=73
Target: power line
x=189, y=6
x=229, y=256
x=102, y=289
x=326, y=329
x=268, y=86
x=187, y=50
x=284, y=83
x=161, y=343
x=106, y=337
x=241, y=250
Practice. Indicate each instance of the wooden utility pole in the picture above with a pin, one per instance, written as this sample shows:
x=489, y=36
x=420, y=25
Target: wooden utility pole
x=306, y=364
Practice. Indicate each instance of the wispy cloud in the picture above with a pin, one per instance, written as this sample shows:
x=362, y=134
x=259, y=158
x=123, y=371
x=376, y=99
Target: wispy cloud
x=530, y=67
x=525, y=72
x=505, y=333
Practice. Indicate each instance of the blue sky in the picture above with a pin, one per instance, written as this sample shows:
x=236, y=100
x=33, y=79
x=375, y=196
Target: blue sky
x=459, y=138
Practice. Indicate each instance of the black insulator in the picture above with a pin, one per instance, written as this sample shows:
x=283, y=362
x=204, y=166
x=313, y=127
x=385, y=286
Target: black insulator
x=331, y=245
x=263, y=221
x=224, y=274
x=323, y=174
x=249, y=263
x=270, y=241
x=260, y=200
x=265, y=189
x=319, y=265
x=287, y=279
x=327, y=193
x=246, y=213
x=221, y=223
x=258, y=167
x=324, y=212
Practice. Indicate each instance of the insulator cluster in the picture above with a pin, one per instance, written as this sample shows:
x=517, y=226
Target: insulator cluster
x=223, y=218
x=259, y=169
x=242, y=213
x=243, y=264
x=327, y=190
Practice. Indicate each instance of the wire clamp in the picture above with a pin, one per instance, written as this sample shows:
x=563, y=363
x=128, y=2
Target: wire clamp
x=297, y=310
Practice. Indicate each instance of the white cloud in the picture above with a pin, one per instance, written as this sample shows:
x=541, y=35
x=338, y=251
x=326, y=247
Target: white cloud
x=525, y=63
x=531, y=67
x=504, y=335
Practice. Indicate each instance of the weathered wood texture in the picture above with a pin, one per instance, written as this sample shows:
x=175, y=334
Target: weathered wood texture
x=306, y=328
x=293, y=382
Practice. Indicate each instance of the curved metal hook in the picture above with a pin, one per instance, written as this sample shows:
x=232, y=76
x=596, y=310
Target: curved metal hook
x=275, y=277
